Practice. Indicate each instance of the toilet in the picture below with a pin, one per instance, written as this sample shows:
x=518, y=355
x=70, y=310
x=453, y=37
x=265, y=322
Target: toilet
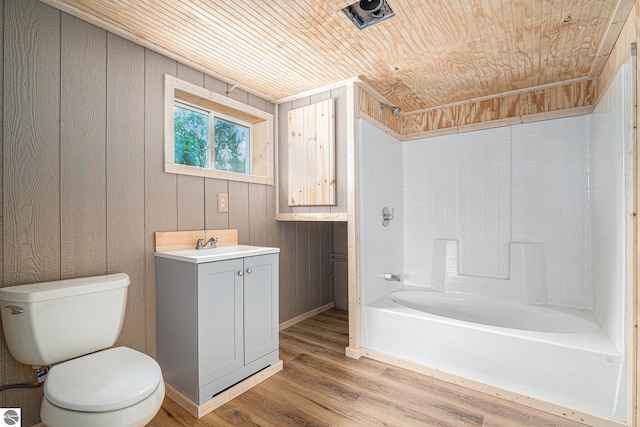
x=70, y=325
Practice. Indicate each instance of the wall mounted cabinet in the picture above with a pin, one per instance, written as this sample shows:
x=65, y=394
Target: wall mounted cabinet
x=313, y=157
x=311, y=148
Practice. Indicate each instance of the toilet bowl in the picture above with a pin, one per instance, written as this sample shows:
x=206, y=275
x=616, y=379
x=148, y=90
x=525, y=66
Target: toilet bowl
x=71, y=324
x=114, y=387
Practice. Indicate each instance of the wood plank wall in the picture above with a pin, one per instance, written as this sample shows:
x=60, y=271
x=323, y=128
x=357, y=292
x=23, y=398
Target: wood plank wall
x=543, y=103
x=369, y=105
x=564, y=99
x=83, y=187
x=340, y=274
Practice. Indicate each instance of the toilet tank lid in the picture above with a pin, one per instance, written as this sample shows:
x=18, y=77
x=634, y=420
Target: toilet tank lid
x=35, y=292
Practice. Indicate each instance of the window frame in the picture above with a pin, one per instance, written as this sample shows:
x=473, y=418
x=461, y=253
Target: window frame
x=230, y=110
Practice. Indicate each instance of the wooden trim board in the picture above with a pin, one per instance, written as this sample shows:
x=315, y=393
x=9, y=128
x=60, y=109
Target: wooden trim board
x=633, y=189
x=374, y=122
x=307, y=315
x=511, y=396
x=316, y=91
x=491, y=124
x=612, y=35
x=339, y=216
x=174, y=240
x=353, y=236
x=213, y=173
x=229, y=394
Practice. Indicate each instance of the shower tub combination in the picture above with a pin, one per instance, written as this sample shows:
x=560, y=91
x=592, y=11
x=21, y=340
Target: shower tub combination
x=548, y=353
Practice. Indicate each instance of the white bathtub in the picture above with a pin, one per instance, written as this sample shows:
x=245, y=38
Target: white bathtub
x=550, y=354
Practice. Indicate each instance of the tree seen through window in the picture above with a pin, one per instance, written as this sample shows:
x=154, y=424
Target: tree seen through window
x=192, y=138
x=231, y=147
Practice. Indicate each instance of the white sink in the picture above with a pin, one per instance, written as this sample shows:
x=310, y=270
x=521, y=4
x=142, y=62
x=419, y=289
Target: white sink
x=198, y=256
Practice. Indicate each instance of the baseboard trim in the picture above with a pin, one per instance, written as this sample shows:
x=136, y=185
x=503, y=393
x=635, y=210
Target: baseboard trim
x=353, y=353
x=552, y=408
x=305, y=316
x=200, y=411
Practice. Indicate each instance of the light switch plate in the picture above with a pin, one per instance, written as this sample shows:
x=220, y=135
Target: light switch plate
x=223, y=202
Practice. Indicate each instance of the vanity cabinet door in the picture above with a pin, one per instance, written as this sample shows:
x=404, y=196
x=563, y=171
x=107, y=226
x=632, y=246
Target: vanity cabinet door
x=260, y=306
x=220, y=320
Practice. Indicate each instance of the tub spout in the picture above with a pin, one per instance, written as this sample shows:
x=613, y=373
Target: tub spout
x=389, y=277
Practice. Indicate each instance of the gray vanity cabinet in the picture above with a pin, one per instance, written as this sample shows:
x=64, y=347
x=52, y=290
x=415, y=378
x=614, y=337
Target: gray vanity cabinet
x=217, y=322
x=261, y=319
x=220, y=318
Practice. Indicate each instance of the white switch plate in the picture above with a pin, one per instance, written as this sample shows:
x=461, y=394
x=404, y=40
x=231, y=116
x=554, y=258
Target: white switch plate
x=223, y=202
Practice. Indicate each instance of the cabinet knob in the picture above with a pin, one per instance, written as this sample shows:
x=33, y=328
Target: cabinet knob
x=249, y=271
x=240, y=273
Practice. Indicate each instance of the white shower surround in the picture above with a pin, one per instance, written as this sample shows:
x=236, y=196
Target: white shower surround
x=522, y=183
x=382, y=247
x=549, y=204
x=560, y=183
x=609, y=130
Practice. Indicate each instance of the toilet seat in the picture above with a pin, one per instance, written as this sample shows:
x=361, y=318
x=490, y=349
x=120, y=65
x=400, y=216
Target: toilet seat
x=108, y=380
x=137, y=415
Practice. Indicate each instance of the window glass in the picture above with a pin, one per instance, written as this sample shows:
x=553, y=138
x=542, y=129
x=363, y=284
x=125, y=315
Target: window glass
x=232, y=145
x=232, y=140
x=191, y=136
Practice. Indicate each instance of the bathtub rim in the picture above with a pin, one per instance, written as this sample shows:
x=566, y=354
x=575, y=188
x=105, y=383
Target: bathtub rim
x=450, y=374
x=596, y=341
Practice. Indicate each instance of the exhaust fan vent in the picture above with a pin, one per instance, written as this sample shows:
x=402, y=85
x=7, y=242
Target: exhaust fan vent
x=364, y=13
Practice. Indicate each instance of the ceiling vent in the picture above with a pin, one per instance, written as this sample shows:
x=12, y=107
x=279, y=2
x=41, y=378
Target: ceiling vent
x=364, y=13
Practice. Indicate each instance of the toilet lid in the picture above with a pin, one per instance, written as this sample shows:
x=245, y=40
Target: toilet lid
x=104, y=381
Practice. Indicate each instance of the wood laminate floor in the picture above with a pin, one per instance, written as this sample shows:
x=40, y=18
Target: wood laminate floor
x=320, y=386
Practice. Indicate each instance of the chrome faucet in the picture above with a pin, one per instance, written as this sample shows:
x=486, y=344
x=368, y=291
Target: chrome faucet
x=211, y=243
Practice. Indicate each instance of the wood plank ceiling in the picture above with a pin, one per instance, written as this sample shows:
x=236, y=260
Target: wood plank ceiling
x=431, y=53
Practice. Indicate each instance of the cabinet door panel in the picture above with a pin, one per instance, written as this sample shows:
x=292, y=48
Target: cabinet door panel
x=260, y=306
x=220, y=322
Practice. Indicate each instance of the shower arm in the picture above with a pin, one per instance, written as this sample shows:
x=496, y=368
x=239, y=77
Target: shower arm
x=394, y=110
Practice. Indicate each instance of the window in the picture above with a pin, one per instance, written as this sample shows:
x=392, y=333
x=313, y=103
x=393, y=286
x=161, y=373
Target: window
x=207, y=134
x=232, y=146
x=191, y=136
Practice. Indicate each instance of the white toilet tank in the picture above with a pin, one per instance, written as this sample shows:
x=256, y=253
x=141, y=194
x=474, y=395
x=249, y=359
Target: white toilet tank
x=46, y=323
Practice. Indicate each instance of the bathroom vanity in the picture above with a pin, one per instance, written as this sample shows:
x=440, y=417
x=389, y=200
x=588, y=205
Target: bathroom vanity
x=216, y=317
